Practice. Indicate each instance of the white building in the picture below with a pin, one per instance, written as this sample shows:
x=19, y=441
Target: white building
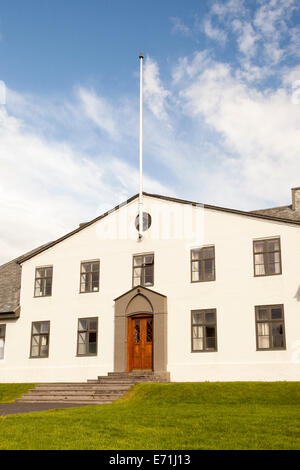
x=208, y=294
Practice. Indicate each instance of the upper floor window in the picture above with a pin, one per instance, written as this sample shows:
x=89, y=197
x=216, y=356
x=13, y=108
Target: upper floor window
x=270, y=327
x=89, y=276
x=87, y=336
x=267, y=257
x=143, y=270
x=40, y=339
x=2, y=340
x=43, y=281
x=203, y=264
x=204, y=330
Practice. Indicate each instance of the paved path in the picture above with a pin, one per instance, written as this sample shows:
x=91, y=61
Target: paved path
x=14, y=408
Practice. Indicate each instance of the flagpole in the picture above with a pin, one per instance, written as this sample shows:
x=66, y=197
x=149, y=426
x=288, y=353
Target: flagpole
x=141, y=150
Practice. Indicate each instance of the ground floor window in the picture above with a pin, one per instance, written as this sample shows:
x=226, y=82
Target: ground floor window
x=270, y=332
x=204, y=330
x=40, y=339
x=87, y=337
x=2, y=340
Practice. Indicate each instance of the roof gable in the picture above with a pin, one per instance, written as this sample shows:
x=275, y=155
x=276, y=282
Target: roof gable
x=256, y=215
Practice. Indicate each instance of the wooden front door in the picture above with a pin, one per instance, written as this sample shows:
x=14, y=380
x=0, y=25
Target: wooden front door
x=140, y=342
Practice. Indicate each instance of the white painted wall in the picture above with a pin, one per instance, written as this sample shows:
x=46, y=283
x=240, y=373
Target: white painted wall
x=234, y=294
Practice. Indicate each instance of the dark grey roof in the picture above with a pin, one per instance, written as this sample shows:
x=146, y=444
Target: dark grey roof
x=285, y=212
x=10, y=285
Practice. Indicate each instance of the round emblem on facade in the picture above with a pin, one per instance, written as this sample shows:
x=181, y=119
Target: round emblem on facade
x=146, y=221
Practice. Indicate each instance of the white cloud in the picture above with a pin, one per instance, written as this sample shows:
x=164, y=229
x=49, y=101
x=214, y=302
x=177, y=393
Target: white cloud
x=99, y=111
x=154, y=92
x=260, y=130
x=247, y=37
x=179, y=27
x=213, y=32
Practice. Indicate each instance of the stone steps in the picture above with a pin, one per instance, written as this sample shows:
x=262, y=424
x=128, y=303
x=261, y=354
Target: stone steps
x=99, y=391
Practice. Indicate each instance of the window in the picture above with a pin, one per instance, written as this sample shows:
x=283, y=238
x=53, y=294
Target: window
x=143, y=270
x=40, y=339
x=43, y=281
x=89, y=276
x=267, y=257
x=204, y=330
x=2, y=340
x=270, y=327
x=203, y=264
x=87, y=337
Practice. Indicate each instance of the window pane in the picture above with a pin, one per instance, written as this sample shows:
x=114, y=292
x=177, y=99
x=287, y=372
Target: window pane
x=137, y=260
x=2, y=330
x=263, y=342
x=210, y=317
x=44, y=327
x=86, y=267
x=95, y=267
x=210, y=342
x=210, y=332
x=48, y=286
x=81, y=348
x=34, y=351
x=260, y=269
x=149, y=275
x=274, y=268
x=195, y=254
x=198, y=344
x=44, y=351
x=197, y=318
x=208, y=253
x=259, y=246
x=277, y=335
x=208, y=269
x=92, y=348
x=82, y=338
x=263, y=329
x=95, y=281
x=137, y=272
x=273, y=245
x=48, y=272
x=195, y=266
x=82, y=325
x=93, y=325
x=92, y=337
x=40, y=272
x=276, y=313
x=36, y=328
x=38, y=288
x=148, y=259
x=195, y=276
x=44, y=340
x=1, y=348
x=262, y=314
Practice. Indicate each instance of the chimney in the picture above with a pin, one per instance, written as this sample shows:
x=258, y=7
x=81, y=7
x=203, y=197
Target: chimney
x=296, y=199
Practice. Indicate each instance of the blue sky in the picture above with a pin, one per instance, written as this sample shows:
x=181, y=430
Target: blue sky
x=221, y=115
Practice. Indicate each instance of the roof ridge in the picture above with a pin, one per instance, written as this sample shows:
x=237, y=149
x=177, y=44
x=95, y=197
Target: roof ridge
x=254, y=214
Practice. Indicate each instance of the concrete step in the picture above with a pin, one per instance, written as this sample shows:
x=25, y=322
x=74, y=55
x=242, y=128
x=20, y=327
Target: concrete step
x=87, y=387
x=86, y=393
x=127, y=380
x=71, y=402
x=67, y=398
x=132, y=373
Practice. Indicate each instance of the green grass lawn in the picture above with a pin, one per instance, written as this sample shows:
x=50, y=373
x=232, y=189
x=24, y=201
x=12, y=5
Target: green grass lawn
x=9, y=392
x=239, y=415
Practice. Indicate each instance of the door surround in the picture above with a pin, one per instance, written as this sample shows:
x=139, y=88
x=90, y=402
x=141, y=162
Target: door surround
x=141, y=300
